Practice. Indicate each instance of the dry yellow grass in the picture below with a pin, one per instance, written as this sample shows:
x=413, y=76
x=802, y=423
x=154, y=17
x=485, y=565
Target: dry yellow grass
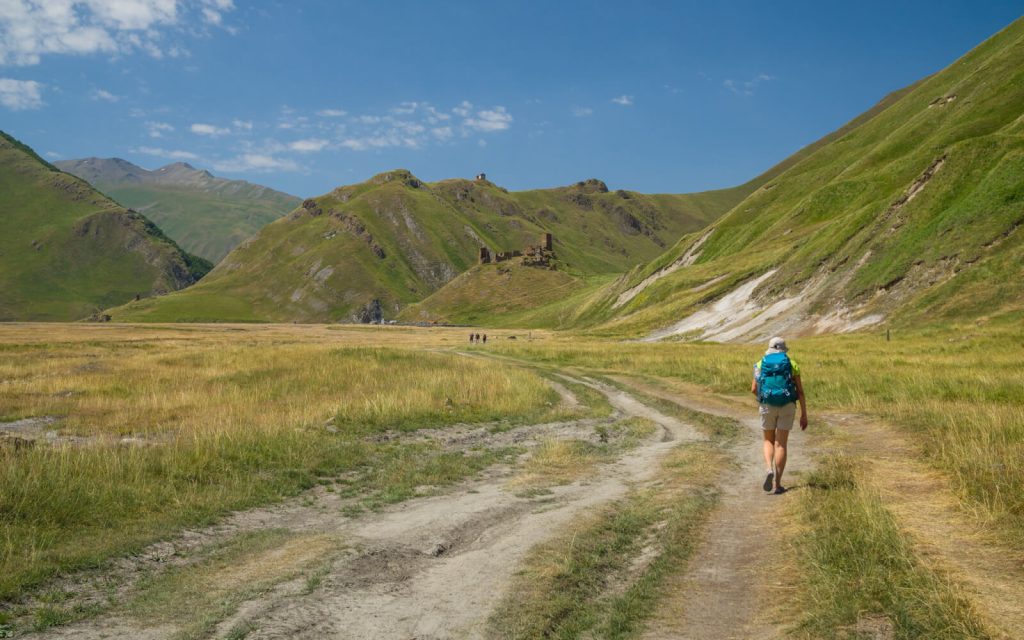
x=162, y=426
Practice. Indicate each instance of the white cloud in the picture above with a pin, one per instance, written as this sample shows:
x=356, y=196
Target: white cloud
x=624, y=100
x=30, y=29
x=208, y=130
x=434, y=116
x=582, y=112
x=242, y=125
x=748, y=87
x=414, y=125
x=21, y=95
x=496, y=119
x=309, y=145
x=173, y=154
x=382, y=140
x=158, y=129
x=106, y=96
x=255, y=162
x=211, y=16
x=332, y=113
x=54, y=155
x=405, y=108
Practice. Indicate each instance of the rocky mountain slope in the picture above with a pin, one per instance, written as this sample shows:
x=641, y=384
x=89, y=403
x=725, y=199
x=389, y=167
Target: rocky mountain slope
x=67, y=251
x=911, y=213
x=206, y=215
x=395, y=239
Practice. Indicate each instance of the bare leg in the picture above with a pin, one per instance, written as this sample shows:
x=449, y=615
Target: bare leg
x=781, y=440
x=769, y=448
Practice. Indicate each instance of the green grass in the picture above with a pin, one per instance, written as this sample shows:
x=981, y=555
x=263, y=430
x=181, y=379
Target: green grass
x=66, y=251
x=494, y=295
x=208, y=223
x=829, y=214
x=857, y=566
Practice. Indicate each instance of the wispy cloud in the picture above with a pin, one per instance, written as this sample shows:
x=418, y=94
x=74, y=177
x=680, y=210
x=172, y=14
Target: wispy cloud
x=242, y=125
x=104, y=95
x=414, y=125
x=748, y=87
x=21, y=95
x=624, y=100
x=496, y=119
x=172, y=154
x=208, y=130
x=258, y=162
x=34, y=28
x=332, y=113
x=582, y=112
x=158, y=129
x=54, y=155
x=308, y=146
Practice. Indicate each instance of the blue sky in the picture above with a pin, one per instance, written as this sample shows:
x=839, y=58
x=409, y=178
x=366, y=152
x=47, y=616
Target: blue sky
x=305, y=96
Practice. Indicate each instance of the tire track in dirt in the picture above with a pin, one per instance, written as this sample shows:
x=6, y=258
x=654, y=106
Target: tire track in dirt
x=430, y=567
x=436, y=568
x=727, y=588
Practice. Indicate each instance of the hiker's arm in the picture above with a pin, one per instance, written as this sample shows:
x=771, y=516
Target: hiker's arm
x=753, y=386
x=803, y=401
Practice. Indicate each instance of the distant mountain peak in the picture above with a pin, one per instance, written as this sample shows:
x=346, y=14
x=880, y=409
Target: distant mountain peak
x=203, y=213
x=178, y=165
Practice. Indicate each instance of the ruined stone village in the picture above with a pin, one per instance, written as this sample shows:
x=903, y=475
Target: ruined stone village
x=539, y=255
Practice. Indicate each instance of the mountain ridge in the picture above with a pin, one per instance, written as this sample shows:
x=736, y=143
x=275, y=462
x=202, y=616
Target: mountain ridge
x=396, y=239
x=67, y=251
x=206, y=214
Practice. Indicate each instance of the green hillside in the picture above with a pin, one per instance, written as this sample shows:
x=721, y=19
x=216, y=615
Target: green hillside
x=67, y=251
x=910, y=213
x=206, y=215
x=396, y=239
x=494, y=294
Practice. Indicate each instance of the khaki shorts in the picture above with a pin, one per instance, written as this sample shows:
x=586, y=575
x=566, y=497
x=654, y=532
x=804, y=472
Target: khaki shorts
x=778, y=417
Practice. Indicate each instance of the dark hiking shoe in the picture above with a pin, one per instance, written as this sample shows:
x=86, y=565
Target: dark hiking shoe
x=780, y=490
x=767, y=486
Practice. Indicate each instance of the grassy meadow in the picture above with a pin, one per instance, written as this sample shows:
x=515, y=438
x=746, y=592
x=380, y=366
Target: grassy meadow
x=157, y=428
x=153, y=428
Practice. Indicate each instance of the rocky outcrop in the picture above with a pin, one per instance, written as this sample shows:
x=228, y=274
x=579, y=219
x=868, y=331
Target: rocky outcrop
x=370, y=313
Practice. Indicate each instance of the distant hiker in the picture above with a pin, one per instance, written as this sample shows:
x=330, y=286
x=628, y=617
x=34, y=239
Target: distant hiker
x=471, y=338
x=778, y=387
x=485, y=338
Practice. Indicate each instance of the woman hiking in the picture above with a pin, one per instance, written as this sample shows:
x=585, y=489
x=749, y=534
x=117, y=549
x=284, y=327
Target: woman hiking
x=778, y=388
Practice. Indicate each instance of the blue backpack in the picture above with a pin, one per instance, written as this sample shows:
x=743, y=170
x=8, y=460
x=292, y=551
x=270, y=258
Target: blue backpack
x=775, y=384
